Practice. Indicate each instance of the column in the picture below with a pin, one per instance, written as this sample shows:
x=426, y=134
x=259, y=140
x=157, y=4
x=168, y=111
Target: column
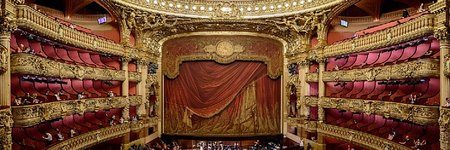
x=304, y=88
x=321, y=111
x=142, y=67
x=5, y=76
x=125, y=87
x=6, y=27
x=444, y=94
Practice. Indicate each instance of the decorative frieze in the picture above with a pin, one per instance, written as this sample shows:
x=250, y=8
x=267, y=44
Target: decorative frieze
x=31, y=64
x=412, y=69
x=29, y=115
x=419, y=114
x=364, y=139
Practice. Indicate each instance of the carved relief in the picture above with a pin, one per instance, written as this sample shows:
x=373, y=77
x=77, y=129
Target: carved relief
x=365, y=139
x=29, y=115
x=224, y=49
x=35, y=65
x=414, y=113
x=4, y=54
x=411, y=69
x=5, y=129
x=419, y=27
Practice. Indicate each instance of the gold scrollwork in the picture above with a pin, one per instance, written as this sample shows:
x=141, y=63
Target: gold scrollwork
x=412, y=69
x=419, y=114
x=365, y=139
x=5, y=128
x=29, y=115
x=135, y=76
x=31, y=64
x=419, y=27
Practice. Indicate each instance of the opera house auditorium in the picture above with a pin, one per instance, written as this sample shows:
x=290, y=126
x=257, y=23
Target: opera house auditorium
x=225, y=74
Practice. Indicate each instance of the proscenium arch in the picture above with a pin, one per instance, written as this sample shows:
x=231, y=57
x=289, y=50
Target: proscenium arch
x=227, y=33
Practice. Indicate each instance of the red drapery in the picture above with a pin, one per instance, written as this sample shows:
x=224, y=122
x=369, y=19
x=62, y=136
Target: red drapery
x=216, y=98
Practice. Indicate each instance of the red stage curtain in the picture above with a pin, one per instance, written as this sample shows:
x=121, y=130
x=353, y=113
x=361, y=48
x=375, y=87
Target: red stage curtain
x=215, y=95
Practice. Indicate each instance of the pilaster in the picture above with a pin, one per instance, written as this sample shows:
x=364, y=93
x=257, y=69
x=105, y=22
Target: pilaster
x=321, y=111
x=125, y=87
x=142, y=67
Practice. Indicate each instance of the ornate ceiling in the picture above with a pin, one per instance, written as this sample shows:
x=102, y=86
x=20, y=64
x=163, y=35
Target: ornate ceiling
x=229, y=9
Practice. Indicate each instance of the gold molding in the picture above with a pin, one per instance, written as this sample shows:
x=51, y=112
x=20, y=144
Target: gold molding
x=32, y=19
x=94, y=137
x=5, y=128
x=209, y=33
x=360, y=138
x=310, y=101
x=412, y=69
x=312, y=77
x=273, y=71
x=310, y=126
x=418, y=114
x=419, y=27
x=135, y=76
x=29, y=115
x=35, y=65
x=228, y=9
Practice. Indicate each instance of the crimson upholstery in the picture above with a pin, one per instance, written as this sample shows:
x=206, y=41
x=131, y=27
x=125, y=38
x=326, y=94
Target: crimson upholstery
x=377, y=125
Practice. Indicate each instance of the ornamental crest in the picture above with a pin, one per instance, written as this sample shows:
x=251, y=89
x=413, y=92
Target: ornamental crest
x=224, y=49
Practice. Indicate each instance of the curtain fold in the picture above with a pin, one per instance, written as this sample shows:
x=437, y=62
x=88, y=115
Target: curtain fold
x=206, y=87
x=211, y=98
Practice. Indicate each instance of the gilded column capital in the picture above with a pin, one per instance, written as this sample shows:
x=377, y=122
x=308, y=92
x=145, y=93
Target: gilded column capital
x=7, y=23
x=304, y=63
x=441, y=33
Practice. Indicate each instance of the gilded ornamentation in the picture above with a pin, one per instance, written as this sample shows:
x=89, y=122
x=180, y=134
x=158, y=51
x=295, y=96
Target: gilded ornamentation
x=311, y=101
x=29, y=115
x=4, y=54
x=88, y=139
x=228, y=9
x=312, y=77
x=444, y=123
x=31, y=64
x=353, y=136
x=444, y=120
x=419, y=114
x=7, y=23
x=249, y=48
x=134, y=76
x=412, y=69
x=30, y=18
x=419, y=27
x=224, y=49
x=5, y=129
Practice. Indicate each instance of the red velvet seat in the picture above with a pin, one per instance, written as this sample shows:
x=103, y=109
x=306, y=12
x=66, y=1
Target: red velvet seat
x=360, y=61
x=369, y=87
x=357, y=88
x=351, y=60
